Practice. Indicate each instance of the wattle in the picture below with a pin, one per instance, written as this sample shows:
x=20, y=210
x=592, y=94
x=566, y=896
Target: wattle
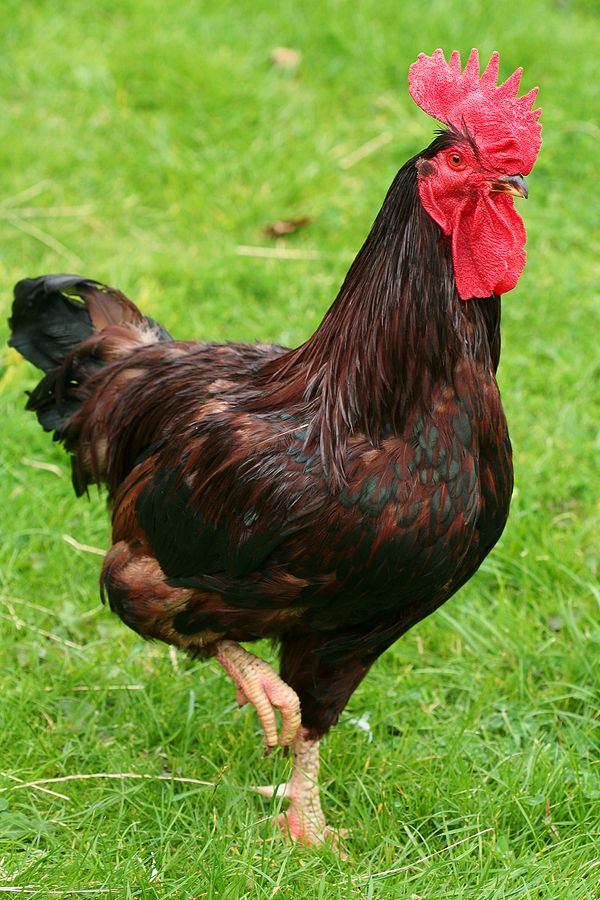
x=488, y=240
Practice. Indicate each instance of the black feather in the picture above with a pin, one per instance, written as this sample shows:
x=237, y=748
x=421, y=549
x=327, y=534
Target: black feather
x=54, y=322
x=45, y=323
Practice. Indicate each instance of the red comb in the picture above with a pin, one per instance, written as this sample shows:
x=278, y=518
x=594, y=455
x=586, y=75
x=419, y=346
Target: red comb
x=504, y=126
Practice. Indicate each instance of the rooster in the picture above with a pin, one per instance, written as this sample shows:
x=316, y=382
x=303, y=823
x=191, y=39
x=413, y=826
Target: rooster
x=326, y=497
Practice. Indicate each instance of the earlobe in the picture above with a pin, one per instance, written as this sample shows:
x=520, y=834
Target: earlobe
x=426, y=167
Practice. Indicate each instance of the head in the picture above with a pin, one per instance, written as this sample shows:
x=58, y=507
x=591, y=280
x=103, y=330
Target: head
x=469, y=178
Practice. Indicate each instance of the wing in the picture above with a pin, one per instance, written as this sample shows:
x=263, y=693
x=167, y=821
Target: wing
x=217, y=504
x=237, y=505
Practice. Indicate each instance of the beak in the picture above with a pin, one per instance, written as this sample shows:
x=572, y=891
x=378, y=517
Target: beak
x=510, y=184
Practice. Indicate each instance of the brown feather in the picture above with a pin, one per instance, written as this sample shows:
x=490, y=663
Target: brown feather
x=328, y=497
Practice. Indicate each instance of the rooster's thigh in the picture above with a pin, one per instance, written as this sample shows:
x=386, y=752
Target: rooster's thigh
x=137, y=590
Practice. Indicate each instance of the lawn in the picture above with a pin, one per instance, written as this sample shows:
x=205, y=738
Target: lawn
x=148, y=145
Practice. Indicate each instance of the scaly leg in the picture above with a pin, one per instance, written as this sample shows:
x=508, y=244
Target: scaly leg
x=304, y=820
x=258, y=683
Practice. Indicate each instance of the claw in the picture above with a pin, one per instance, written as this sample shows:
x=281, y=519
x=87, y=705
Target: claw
x=257, y=683
x=297, y=832
x=303, y=822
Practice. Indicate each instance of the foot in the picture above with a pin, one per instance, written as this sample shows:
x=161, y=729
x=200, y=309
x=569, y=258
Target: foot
x=258, y=683
x=303, y=822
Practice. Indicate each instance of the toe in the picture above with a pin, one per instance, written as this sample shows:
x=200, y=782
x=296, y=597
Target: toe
x=257, y=683
x=295, y=828
x=288, y=704
x=271, y=790
x=266, y=714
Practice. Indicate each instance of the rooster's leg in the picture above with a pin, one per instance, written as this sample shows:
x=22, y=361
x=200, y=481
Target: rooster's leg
x=304, y=821
x=259, y=684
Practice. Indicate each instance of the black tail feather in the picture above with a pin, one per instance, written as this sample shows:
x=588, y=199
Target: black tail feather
x=45, y=323
x=51, y=316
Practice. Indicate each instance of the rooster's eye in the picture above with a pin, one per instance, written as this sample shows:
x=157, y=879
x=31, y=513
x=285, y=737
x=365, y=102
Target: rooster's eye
x=455, y=160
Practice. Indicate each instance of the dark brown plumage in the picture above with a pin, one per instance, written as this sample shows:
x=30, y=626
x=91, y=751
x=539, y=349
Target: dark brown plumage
x=327, y=497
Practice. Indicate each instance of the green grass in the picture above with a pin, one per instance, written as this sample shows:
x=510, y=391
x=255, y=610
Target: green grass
x=142, y=143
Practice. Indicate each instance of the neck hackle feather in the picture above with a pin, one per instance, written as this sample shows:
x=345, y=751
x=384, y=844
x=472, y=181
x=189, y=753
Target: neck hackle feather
x=393, y=333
